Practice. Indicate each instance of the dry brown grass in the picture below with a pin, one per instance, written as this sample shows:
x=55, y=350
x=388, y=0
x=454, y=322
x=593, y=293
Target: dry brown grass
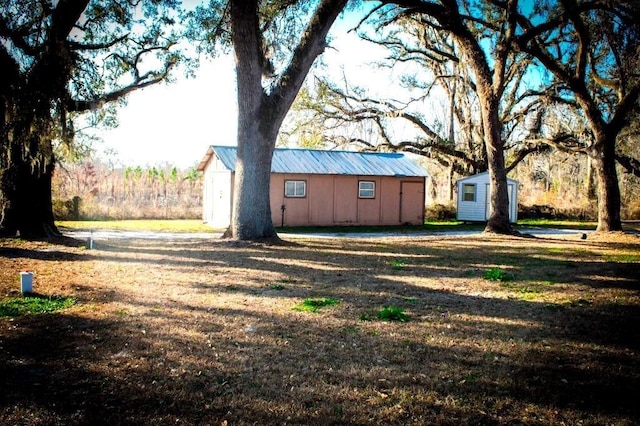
x=203, y=332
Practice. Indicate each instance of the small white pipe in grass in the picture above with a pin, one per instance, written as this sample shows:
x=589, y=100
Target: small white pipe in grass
x=90, y=241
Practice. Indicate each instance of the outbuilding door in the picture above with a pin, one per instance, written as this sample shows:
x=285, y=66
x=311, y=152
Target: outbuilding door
x=220, y=205
x=510, y=191
x=411, y=202
x=345, y=203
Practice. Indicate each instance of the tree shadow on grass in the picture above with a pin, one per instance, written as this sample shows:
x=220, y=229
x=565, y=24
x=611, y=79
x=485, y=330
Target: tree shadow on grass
x=50, y=254
x=300, y=369
x=74, y=370
x=462, y=359
x=351, y=271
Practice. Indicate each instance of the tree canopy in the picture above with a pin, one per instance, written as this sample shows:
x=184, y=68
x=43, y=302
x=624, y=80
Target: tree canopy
x=61, y=59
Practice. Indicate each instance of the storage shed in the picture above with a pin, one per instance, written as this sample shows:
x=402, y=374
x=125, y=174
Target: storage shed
x=322, y=188
x=474, y=201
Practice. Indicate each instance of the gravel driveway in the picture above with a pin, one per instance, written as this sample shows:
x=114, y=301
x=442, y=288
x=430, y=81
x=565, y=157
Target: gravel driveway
x=102, y=235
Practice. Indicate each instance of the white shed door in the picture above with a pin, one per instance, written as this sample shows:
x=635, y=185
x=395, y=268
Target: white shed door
x=487, y=196
x=220, y=200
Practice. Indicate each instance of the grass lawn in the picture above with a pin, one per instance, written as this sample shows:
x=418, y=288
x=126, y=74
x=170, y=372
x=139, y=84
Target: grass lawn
x=196, y=225
x=415, y=330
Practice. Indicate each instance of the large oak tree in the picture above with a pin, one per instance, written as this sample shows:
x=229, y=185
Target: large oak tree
x=61, y=58
x=275, y=44
x=484, y=34
x=261, y=109
x=592, y=50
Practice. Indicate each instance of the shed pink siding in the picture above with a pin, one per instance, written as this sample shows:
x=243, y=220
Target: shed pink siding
x=410, y=211
x=333, y=200
x=345, y=206
x=369, y=209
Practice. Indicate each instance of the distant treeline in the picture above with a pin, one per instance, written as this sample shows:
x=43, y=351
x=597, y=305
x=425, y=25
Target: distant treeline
x=92, y=190
x=558, y=186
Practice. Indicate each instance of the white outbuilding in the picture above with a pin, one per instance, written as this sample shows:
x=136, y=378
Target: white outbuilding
x=474, y=201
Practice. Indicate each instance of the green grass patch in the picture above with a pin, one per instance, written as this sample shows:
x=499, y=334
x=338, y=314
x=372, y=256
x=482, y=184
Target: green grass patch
x=631, y=225
x=497, y=274
x=393, y=313
x=138, y=225
x=17, y=306
x=314, y=305
x=398, y=264
x=556, y=224
x=527, y=291
x=622, y=258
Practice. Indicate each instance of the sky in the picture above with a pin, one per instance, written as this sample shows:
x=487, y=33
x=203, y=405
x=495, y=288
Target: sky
x=176, y=123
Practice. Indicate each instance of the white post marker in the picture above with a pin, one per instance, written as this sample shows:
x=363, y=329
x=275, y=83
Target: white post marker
x=90, y=241
x=26, y=282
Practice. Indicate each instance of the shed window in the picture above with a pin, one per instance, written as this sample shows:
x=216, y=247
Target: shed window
x=295, y=188
x=468, y=192
x=366, y=189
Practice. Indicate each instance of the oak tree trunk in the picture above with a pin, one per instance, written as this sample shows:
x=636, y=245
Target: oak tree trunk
x=251, y=204
x=498, y=221
x=26, y=207
x=604, y=162
x=450, y=182
x=489, y=90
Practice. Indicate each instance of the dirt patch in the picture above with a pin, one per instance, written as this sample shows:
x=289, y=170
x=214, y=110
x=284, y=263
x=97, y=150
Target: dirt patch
x=204, y=332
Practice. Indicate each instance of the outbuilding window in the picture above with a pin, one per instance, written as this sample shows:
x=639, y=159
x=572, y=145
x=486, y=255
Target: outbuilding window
x=468, y=192
x=295, y=188
x=366, y=189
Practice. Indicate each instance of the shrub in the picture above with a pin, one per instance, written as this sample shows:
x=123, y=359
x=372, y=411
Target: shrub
x=439, y=212
x=67, y=209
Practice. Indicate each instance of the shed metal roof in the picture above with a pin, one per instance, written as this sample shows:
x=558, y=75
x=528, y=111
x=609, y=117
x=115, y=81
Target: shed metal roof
x=310, y=161
x=481, y=176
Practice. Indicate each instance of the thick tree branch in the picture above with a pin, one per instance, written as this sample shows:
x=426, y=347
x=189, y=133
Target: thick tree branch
x=630, y=164
x=311, y=45
x=624, y=109
x=73, y=45
x=564, y=142
x=522, y=153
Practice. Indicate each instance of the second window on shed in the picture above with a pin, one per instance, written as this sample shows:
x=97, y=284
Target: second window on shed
x=295, y=188
x=366, y=189
x=468, y=192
